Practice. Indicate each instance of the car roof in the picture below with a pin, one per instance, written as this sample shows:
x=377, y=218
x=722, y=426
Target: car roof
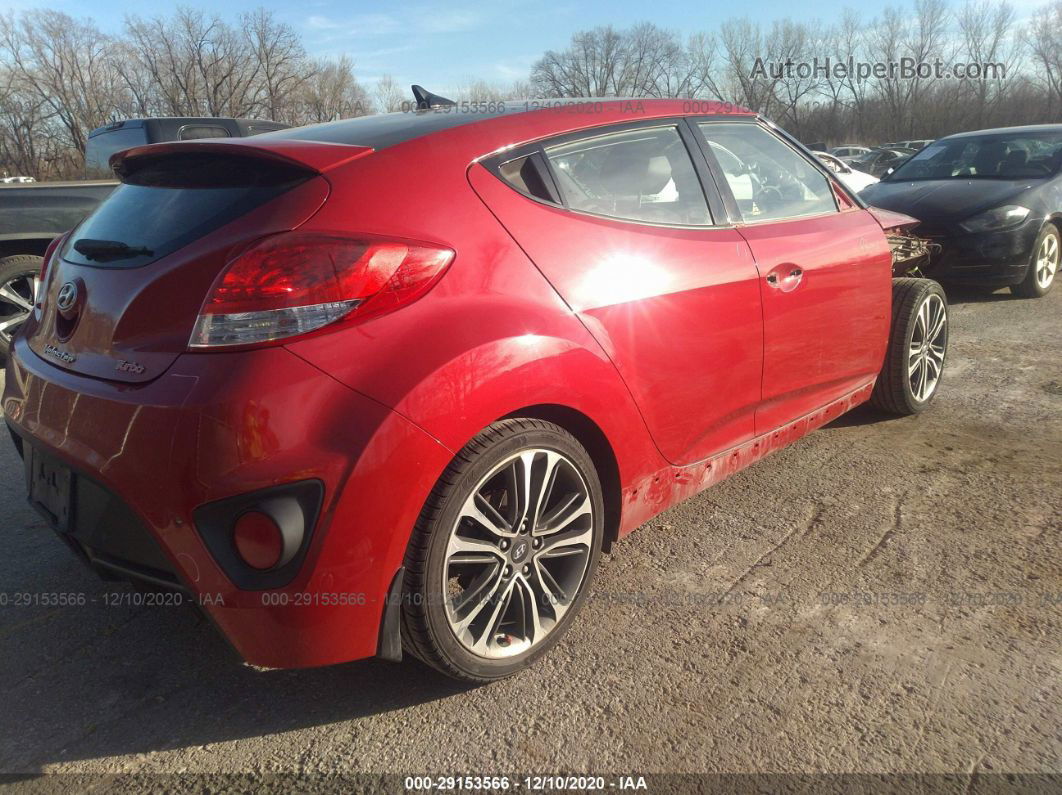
x=388, y=129
x=1028, y=128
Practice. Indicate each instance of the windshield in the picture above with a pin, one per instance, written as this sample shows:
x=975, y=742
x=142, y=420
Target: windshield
x=1014, y=155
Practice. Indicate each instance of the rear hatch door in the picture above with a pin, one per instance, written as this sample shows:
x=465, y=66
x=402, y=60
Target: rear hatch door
x=124, y=289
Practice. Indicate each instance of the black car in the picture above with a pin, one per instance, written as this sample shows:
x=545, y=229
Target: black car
x=878, y=161
x=991, y=199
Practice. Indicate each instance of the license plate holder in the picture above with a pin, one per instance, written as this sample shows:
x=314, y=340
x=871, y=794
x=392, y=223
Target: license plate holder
x=50, y=487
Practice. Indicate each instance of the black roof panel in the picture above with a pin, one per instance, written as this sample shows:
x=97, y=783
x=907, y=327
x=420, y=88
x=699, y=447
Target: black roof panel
x=388, y=129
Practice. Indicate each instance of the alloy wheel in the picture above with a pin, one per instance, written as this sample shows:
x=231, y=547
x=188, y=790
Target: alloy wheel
x=17, y=296
x=518, y=553
x=929, y=341
x=1047, y=261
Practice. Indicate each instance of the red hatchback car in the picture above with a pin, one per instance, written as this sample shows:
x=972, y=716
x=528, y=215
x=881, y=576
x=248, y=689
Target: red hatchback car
x=395, y=382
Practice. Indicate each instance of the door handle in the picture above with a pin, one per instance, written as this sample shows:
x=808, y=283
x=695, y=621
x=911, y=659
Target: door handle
x=785, y=277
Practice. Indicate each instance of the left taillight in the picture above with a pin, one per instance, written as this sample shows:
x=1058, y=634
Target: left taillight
x=295, y=283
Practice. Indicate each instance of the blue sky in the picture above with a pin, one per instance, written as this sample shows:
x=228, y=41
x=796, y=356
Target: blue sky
x=444, y=44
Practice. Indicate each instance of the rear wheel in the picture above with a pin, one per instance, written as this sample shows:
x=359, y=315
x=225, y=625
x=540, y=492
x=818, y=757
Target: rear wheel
x=19, y=282
x=1042, y=267
x=504, y=551
x=918, y=344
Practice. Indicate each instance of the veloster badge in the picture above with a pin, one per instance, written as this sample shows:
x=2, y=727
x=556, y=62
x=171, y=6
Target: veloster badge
x=61, y=355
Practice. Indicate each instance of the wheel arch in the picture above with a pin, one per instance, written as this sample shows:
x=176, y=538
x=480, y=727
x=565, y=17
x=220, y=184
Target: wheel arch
x=31, y=244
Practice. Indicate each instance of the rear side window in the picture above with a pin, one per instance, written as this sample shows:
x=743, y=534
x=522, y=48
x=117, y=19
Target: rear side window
x=769, y=180
x=167, y=202
x=643, y=174
x=194, y=132
x=100, y=147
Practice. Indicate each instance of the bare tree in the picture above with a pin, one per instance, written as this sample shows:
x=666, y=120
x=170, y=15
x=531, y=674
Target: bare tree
x=64, y=64
x=333, y=92
x=1044, y=35
x=388, y=96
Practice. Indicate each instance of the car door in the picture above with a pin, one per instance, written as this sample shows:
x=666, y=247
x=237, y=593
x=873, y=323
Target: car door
x=617, y=220
x=825, y=272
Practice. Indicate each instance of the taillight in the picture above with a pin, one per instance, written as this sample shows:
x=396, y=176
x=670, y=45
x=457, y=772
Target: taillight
x=48, y=253
x=298, y=282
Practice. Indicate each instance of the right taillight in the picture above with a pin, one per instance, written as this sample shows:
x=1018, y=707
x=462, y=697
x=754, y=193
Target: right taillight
x=298, y=282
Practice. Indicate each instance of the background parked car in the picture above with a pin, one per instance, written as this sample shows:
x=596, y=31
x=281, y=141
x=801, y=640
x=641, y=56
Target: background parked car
x=877, y=161
x=848, y=150
x=853, y=179
x=992, y=202
x=31, y=215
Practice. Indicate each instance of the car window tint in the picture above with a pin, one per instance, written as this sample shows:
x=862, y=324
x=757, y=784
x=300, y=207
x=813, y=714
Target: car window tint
x=640, y=175
x=194, y=132
x=769, y=180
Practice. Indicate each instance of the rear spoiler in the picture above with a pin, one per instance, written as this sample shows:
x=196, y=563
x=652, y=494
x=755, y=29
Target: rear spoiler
x=316, y=156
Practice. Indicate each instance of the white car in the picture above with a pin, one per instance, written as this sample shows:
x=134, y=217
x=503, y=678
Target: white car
x=852, y=179
x=848, y=151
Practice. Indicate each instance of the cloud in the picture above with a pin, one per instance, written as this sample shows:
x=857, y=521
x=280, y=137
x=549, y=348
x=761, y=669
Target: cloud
x=518, y=68
x=420, y=20
x=363, y=25
x=449, y=22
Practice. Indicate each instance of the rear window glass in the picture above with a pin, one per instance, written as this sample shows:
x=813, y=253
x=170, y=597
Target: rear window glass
x=166, y=204
x=100, y=147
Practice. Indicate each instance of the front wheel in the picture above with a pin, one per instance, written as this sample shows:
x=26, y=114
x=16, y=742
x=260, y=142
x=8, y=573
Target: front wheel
x=504, y=551
x=918, y=344
x=1042, y=267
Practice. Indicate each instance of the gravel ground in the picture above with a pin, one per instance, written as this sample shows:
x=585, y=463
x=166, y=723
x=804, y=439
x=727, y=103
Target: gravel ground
x=885, y=595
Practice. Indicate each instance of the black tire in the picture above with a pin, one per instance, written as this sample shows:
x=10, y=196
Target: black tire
x=894, y=391
x=427, y=632
x=1030, y=286
x=14, y=272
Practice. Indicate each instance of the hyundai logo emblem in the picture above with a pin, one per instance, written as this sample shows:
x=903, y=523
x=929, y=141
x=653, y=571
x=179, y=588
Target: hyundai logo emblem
x=68, y=295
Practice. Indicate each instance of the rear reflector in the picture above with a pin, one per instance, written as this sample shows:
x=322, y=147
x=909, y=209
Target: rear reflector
x=258, y=540
x=294, y=283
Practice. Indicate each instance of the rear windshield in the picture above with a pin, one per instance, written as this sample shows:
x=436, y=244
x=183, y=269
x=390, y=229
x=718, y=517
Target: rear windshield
x=166, y=203
x=100, y=147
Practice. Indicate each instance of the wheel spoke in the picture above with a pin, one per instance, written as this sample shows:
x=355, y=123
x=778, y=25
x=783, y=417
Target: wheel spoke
x=532, y=618
x=11, y=322
x=501, y=606
x=7, y=293
x=485, y=590
x=462, y=545
x=573, y=507
x=558, y=543
x=939, y=318
x=480, y=511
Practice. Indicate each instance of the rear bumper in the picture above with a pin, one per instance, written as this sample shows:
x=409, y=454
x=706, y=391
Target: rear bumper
x=216, y=426
x=991, y=258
